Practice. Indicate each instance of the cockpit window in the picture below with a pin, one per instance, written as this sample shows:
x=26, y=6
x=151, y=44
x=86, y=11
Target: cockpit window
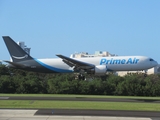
x=151, y=59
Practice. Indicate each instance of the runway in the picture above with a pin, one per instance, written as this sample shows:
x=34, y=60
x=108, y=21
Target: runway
x=78, y=114
x=84, y=112
x=49, y=114
x=81, y=99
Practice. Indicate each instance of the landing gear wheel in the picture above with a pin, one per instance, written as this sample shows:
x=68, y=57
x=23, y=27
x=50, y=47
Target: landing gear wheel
x=81, y=77
x=145, y=75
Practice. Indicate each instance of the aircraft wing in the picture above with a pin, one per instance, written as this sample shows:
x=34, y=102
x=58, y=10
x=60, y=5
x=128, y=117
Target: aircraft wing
x=78, y=65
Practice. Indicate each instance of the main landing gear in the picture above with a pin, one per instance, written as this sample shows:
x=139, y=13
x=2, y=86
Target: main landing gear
x=81, y=77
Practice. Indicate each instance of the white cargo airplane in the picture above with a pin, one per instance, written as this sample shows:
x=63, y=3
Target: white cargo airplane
x=94, y=66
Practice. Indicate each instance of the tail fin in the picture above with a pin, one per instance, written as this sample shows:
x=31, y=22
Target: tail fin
x=16, y=52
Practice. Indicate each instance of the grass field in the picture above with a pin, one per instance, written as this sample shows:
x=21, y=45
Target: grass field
x=86, y=96
x=79, y=105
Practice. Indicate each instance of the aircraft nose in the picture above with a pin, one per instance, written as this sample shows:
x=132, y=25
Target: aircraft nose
x=155, y=63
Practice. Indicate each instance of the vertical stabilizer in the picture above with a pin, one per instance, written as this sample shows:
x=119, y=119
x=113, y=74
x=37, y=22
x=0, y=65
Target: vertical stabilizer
x=16, y=52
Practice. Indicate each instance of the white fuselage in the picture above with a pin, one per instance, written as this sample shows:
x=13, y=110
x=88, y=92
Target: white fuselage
x=116, y=63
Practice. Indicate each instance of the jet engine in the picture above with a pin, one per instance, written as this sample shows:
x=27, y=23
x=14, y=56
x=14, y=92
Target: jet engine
x=99, y=70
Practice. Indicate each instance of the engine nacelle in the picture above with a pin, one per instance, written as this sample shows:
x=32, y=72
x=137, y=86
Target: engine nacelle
x=99, y=70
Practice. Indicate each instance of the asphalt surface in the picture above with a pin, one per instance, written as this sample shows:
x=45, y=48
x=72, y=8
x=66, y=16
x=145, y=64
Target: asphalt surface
x=78, y=112
x=81, y=99
x=26, y=114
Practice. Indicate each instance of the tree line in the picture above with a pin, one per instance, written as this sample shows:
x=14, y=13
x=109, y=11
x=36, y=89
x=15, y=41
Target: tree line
x=19, y=81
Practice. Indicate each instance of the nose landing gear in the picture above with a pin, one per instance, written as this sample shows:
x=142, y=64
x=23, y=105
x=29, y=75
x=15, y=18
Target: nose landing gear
x=145, y=73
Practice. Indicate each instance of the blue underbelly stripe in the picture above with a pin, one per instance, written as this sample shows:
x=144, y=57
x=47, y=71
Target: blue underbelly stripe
x=53, y=68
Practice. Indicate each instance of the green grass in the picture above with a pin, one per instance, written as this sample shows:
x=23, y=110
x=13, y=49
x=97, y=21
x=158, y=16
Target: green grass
x=86, y=96
x=79, y=105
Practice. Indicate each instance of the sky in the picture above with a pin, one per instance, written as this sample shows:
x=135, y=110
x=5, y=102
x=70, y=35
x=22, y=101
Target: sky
x=50, y=27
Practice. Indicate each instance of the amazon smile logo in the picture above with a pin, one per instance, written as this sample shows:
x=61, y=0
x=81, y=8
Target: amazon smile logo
x=25, y=56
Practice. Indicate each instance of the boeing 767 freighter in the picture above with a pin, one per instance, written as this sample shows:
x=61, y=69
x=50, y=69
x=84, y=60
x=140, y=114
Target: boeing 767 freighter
x=95, y=65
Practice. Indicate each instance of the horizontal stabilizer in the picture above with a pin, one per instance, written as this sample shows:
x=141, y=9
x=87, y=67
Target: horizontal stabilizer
x=15, y=64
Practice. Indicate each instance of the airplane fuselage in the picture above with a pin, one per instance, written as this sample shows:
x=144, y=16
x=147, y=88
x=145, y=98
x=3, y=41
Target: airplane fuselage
x=116, y=63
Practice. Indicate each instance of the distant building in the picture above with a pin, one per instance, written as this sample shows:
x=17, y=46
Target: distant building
x=97, y=54
x=154, y=70
x=24, y=47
